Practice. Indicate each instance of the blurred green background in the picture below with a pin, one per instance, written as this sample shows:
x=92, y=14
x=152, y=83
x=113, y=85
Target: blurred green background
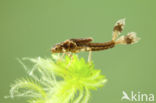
x=28, y=28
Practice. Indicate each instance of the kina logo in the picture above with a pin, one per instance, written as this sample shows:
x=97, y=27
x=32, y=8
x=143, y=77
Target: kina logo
x=137, y=96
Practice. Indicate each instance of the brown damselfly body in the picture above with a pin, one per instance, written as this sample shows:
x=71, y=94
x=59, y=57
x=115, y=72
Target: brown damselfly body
x=86, y=44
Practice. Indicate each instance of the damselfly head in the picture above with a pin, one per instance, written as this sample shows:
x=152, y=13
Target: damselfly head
x=57, y=49
x=66, y=46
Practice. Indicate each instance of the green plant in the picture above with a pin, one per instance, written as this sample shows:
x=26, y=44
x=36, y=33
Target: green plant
x=58, y=80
